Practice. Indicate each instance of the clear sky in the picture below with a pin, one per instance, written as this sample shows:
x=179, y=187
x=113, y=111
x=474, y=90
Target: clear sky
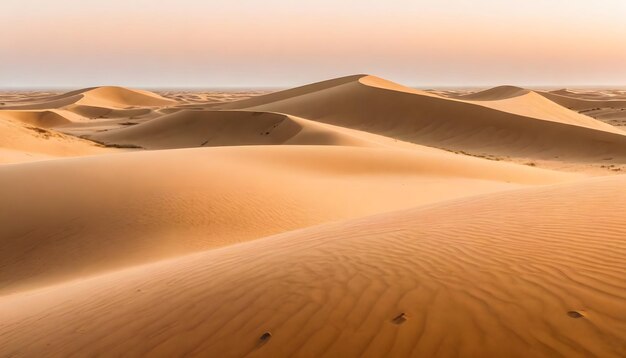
x=246, y=43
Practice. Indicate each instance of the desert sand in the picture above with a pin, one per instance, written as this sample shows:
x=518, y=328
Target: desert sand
x=350, y=217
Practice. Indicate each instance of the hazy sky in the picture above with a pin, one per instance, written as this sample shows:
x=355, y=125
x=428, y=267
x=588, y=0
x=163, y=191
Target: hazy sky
x=245, y=43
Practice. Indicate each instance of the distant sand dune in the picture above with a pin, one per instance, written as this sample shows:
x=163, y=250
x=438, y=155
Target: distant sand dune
x=428, y=119
x=535, y=105
x=495, y=94
x=582, y=103
x=108, y=96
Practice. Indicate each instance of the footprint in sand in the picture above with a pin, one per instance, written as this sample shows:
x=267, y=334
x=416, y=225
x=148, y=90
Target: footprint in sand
x=575, y=314
x=265, y=337
x=399, y=319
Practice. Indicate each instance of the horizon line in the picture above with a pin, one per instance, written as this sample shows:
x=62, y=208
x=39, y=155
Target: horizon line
x=275, y=87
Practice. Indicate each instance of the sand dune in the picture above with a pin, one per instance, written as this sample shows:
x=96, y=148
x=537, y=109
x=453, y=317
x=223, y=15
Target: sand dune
x=496, y=93
x=602, y=94
x=198, y=128
x=118, y=209
x=107, y=96
x=580, y=104
x=534, y=105
x=119, y=97
x=431, y=120
x=564, y=92
x=190, y=128
x=432, y=281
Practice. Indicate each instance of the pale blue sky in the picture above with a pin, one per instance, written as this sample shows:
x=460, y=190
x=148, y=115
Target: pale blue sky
x=193, y=43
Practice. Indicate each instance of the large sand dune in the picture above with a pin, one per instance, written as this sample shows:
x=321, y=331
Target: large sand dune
x=503, y=128
x=99, y=213
x=434, y=281
x=351, y=217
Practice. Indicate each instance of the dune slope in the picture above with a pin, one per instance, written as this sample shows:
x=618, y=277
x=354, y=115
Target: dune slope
x=22, y=142
x=68, y=218
x=42, y=119
x=198, y=128
x=536, y=272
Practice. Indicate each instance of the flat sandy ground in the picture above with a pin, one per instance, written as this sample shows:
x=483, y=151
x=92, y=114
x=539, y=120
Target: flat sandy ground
x=350, y=217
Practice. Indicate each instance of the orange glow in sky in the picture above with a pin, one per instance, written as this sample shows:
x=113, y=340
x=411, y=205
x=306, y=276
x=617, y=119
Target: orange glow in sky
x=193, y=43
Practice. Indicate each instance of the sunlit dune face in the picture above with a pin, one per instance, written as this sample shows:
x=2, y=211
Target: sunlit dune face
x=279, y=43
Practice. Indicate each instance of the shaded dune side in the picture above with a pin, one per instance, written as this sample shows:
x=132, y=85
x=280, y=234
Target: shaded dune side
x=107, y=212
x=47, y=103
x=198, y=128
x=536, y=272
x=105, y=112
x=445, y=123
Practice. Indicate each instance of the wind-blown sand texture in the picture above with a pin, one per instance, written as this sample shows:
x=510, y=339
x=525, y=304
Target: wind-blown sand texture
x=351, y=217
